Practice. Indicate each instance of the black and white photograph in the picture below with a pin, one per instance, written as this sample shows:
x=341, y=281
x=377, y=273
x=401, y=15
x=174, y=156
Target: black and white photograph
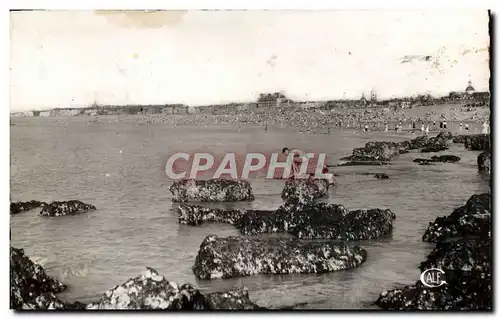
x=250, y=160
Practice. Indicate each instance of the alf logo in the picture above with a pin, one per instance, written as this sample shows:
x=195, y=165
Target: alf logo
x=433, y=278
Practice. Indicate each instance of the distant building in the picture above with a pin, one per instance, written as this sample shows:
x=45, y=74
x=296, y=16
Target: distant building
x=469, y=89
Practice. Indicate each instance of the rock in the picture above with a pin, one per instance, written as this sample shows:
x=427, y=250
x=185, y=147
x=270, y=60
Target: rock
x=150, y=291
x=31, y=288
x=381, y=176
x=375, y=151
x=441, y=159
x=214, y=190
x=460, y=138
x=472, y=219
x=18, y=207
x=445, y=135
x=304, y=190
x=235, y=299
x=484, y=161
x=478, y=142
x=319, y=221
x=226, y=257
x=363, y=163
x=426, y=162
x=466, y=263
x=71, y=207
x=196, y=215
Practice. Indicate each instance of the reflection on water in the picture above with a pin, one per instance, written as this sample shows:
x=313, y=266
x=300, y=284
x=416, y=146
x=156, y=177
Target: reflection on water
x=120, y=169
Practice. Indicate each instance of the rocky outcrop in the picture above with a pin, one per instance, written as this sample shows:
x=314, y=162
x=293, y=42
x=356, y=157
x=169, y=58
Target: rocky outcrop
x=479, y=142
x=472, y=219
x=195, y=215
x=214, y=190
x=381, y=176
x=463, y=252
x=440, y=159
x=151, y=291
x=71, y=207
x=235, y=299
x=374, y=151
x=484, y=161
x=31, y=288
x=460, y=139
x=226, y=257
x=363, y=163
x=304, y=190
x=18, y=207
x=466, y=264
x=319, y=221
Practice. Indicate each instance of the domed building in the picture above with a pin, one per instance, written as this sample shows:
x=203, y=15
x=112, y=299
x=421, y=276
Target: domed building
x=469, y=89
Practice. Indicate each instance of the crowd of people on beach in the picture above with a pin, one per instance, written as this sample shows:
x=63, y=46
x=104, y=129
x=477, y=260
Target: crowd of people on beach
x=317, y=120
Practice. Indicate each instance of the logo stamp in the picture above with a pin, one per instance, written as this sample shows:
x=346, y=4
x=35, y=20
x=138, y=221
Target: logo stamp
x=433, y=278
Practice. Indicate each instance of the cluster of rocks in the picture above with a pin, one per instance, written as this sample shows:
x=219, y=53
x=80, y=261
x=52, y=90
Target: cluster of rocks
x=213, y=190
x=225, y=257
x=478, y=142
x=19, y=207
x=437, y=159
x=62, y=208
x=33, y=289
x=484, y=161
x=463, y=252
x=379, y=153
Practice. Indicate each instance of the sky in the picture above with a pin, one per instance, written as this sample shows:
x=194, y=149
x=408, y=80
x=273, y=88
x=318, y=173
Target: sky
x=76, y=58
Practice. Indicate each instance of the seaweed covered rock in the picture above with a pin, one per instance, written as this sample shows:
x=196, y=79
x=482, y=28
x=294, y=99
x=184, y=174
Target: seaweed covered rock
x=226, y=257
x=304, y=190
x=466, y=265
x=472, y=219
x=363, y=163
x=31, y=287
x=478, y=142
x=150, y=291
x=381, y=176
x=196, y=215
x=213, y=190
x=235, y=299
x=484, y=161
x=18, y=207
x=375, y=151
x=64, y=208
x=440, y=159
x=319, y=221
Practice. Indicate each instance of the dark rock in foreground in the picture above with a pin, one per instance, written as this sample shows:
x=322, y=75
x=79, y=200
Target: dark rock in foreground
x=381, y=176
x=479, y=142
x=214, y=190
x=71, y=207
x=226, y=257
x=375, y=151
x=18, y=207
x=484, y=161
x=30, y=287
x=196, y=215
x=304, y=190
x=440, y=159
x=466, y=263
x=150, y=291
x=319, y=221
x=472, y=219
x=235, y=299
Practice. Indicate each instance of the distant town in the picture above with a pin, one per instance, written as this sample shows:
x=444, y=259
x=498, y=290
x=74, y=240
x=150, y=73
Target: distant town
x=265, y=101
